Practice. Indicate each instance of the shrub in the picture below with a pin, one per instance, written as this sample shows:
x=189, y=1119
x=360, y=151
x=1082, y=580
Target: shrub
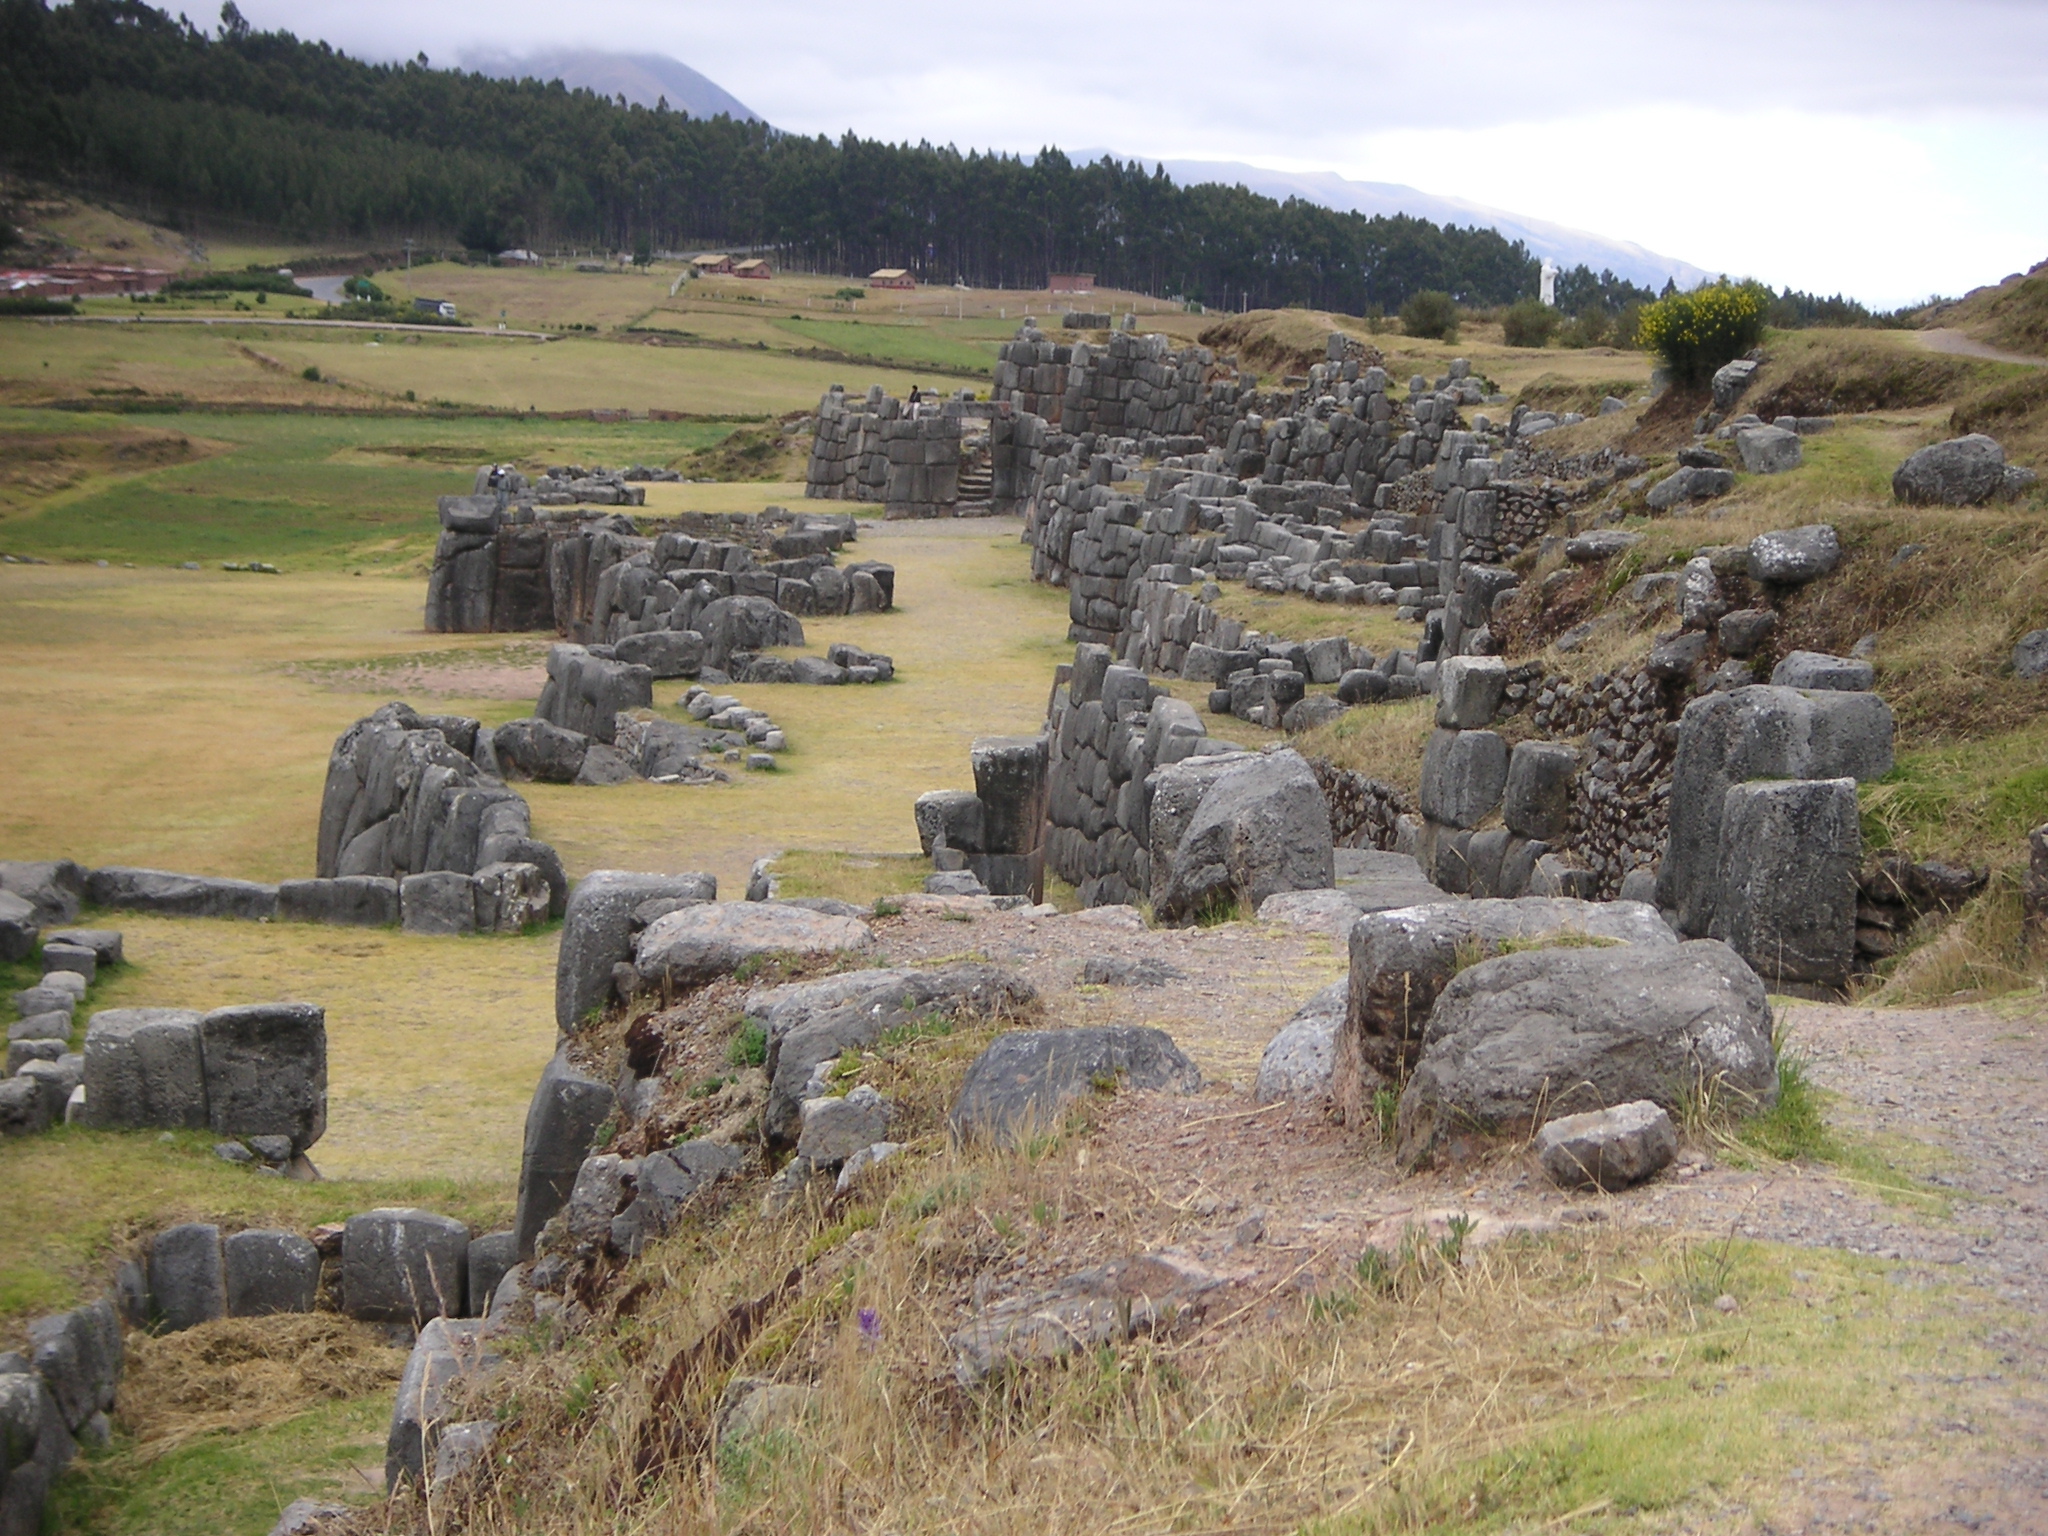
x=1528, y=323
x=1587, y=329
x=1431, y=313
x=311, y=375
x=36, y=304
x=1695, y=333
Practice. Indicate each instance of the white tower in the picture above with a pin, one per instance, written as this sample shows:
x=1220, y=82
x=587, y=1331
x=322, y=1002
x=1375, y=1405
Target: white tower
x=1549, y=281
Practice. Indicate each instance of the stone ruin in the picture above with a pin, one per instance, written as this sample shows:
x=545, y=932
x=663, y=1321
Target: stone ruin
x=506, y=563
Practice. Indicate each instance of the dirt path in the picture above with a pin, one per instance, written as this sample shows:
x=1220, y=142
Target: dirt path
x=1956, y=344
x=1959, y=1095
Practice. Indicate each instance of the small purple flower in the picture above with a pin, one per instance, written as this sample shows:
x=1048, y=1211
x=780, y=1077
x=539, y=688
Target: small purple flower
x=870, y=1326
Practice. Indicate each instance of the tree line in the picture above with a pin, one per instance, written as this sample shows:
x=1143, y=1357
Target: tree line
x=122, y=98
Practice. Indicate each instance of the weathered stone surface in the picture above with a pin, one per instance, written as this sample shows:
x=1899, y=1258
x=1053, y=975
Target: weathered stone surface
x=52, y=1025
x=187, y=1275
x=1463, y=776
x=1769, y=450
x=1786, y=897
x=143, y=1067
x=18, y=927
x=1298, y=1061
x=1758, y=732
x=1009, y=780
x=23, y=1109
x=664, y=652
x=747, y=624
x=266, y=1071
x=1730, y=380
x=459, y=1450
x=1793, y=556
x=836, y=1128
x=75, y=958
x=175, y=895
x=400, y=1264
x=2030, y=656
x=1102, y=1306
x=270, y=1271
x=1689, y=483
x=1259, y=825
x=597, y=933
x=1745, y=631
x=1469, y=690
x=1815, y=669
x=491, y=1258
x=1700, y=603
x=308, y=1517
x=539, y=750
x=1608, y=1149
x=1403, y=959
x=1127, y=971
x=665, y=1184
x=1536, y=800
x=447, y=1351
x=1025, y=1079
x=510, y=897
x=78, y=1354
x=53, y=887
x=701, y=943
x=1959, y=473
x=586, y=693
x=751, y=1407
x=597, y=1196
x=368, y=901
x=1599, y=545
x=1525, y=1035
x=813, y=1022
x=567, y=1108
x=949, y=817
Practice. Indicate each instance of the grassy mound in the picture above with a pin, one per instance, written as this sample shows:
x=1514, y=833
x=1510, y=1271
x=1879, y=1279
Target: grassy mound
x=1277, y=342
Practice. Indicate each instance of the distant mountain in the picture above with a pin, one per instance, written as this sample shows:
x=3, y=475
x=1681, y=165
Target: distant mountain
x=1567, y=247
x=642, y=78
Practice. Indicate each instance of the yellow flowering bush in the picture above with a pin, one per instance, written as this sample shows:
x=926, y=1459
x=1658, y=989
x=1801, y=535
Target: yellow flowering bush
x=1695, y=333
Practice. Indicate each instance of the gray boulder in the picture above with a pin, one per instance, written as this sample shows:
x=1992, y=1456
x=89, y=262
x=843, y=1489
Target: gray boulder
x=55, y=1077
x=266, y=1071
x=1688, y=483
x=1463, y=776
x=1758, y=732
x=34, y=1002
x=567, y=1108
x=459, y=1450
x=540, y=750
x=1009, y=780
x=187, y=1275
x=75, y=958
x=78, y=1354
x=1786, y=881
x=1793, y=556
x=54, y=887
x=491, y=1257
x=954, y=882
x=730, y=624
x=24, y=1111
x=441, y=901
x=269, y=1271
x=948, y=817
x=1298, y=1061
x=1024, y=1081
x=1730, y=380
x=447, y=1352
x=1746, y=631
x=1524, y=1036
x=597, y=933
x=1261, y=825
x=585, y=692
x=1537, y=798
x=18, y=927
x=1401, y=961
x=175, y=895
x=1608, y=1149
x=1769, y=450
x=308, y=1517
x=703, y=942
x=510, y=897
x=1469, y=690
x=812, y=1022
x=1958, y=473
x=365, y=901
x=144, y=1068
x=403, y=1265
x=2030, y=656
x=1700, y=604
x=667, y=1181
x=836, y=1128
x=1815, y=669
x=663, y=652
x=1599, y=545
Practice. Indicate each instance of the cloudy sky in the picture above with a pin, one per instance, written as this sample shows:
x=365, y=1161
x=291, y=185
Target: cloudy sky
x=1885, y=148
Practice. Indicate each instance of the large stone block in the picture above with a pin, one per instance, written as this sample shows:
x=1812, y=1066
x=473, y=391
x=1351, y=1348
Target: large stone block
x=491, y=1257
x=585, y=692
x=597, y=933
x=1238, y=827
x=1463, y=775
x=951, y=816
x=446, y=1352
x=266, y=1071
x=175, y=895
x=1958, y=473
x=403, y=1265
x=78, y=1355
x=187, y=1275
x=1520, y=1038
x=1537, y=800
x=1759, y=732
x=366, y=901
x=53, y=887
x=270, y=1271
x=702, y=942
x=1022, y=1084
x=440, y=901
x=1009, y=780
x=144, y=1068
x=1786, y=882
x=567, y=1108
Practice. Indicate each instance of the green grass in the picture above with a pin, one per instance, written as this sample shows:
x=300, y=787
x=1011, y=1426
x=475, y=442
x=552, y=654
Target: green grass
x=1961, y=799
x=302, y=492
x=906, y=345
x=225, y=1484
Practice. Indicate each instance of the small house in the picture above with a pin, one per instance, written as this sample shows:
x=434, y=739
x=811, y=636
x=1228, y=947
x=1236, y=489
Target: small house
x=441, y=307
x=712, y=264
x=891, y=277
x=1071, y=282
x=754, y=267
